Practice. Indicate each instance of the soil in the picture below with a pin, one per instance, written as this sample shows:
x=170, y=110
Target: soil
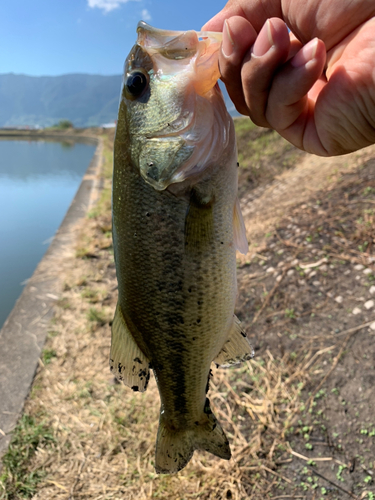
x=309, y=288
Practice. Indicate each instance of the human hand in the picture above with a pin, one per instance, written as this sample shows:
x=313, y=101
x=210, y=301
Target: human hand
x=317, y=88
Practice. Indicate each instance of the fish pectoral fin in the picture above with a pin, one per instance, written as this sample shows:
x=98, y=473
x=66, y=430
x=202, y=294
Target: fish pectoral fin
x=174, y=448
x=199, y=222
x=237, y=348
x=239, y=229
x=127, y=361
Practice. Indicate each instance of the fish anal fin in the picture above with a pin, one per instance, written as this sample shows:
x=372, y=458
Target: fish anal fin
x=239, y=229
x=127, y=361
x=174, y=448
x=237, y=348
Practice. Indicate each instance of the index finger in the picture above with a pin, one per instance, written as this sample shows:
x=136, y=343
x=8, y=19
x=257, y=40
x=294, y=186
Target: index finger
x=256, y=12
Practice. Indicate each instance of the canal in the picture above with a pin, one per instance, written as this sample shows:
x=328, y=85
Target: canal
x=38, y=181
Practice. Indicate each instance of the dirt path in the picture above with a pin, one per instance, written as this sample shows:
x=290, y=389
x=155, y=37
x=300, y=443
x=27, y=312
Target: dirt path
x=263, y=207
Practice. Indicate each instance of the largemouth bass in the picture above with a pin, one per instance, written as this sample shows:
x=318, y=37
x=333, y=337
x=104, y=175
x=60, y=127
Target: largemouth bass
x=176, y=227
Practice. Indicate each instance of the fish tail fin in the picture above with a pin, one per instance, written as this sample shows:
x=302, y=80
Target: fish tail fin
x=209, y=435
x=174, y=448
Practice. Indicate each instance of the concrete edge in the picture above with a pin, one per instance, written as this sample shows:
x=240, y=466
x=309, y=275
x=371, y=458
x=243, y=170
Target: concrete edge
x=23, y=334
x=86, y=139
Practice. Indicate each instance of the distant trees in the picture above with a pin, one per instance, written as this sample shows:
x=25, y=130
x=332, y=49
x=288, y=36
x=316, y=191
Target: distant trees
x=62, y=124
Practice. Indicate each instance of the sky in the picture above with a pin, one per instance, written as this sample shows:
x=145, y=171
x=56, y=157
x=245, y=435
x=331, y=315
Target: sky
x=56, y=37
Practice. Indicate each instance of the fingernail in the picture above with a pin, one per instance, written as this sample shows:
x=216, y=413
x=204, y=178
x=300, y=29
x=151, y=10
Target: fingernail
x=264, y=41
x=306, y=54
x=227, y=46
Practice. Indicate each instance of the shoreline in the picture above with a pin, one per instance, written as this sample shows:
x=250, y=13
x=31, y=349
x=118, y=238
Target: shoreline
x=24, y=332
x=78, y=135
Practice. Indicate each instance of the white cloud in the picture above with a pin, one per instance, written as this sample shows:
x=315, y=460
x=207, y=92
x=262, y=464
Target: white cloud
x=145, y=15
x=106, y=5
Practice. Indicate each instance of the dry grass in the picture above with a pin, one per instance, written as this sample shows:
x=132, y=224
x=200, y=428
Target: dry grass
x=104, y=434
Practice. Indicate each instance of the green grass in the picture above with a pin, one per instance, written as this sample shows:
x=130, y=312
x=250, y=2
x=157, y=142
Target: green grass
x=17, y=480
x=103, y=206
x=262, y=154
x=96, y=316
x=243, y=125
x=48, y=355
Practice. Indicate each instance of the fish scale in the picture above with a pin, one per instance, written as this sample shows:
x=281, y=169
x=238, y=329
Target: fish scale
x=162, y=283
x=176, y=228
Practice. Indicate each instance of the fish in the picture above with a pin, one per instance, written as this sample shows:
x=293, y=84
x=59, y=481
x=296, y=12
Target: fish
x=177, y=225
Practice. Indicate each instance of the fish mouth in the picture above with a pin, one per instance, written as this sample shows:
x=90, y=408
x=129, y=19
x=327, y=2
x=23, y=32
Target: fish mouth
x=197, y=49
x=158, y=39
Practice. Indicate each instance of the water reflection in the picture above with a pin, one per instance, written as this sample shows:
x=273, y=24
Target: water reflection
x=38, y=181
x=30, y=159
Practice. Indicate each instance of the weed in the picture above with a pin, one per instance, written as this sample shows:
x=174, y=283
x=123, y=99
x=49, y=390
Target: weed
x=320, y=394
x=96, y=316
x=368, y=190
x=289, y=313
x=90, y=294
x=63, y=303
x=48, y=355
x=18, y=480
x=82, y=252
x=339, y=472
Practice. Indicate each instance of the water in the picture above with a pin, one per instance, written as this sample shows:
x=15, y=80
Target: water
x=38, y=181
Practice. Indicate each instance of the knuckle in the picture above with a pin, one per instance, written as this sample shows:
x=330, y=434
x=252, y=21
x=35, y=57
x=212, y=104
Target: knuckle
x=259, y=118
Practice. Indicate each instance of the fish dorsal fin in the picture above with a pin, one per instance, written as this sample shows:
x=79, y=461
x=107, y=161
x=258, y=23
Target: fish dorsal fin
x=239, y=229
x=127, y=361
x=237, y=348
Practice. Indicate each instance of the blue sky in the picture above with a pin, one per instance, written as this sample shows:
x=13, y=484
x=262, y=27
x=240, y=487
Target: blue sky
x=55, y=37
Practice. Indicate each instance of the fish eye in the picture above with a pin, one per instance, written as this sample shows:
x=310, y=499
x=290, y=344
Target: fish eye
x=136, y=83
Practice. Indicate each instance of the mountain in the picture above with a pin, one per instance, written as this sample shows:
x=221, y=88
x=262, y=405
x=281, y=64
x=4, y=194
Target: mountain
x=85, y=100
